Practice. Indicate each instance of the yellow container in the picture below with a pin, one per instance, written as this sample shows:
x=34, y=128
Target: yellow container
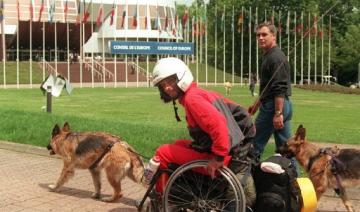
x=308, y=195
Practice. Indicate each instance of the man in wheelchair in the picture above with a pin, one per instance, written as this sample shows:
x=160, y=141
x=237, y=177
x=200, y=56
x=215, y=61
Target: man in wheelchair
x=222, y=131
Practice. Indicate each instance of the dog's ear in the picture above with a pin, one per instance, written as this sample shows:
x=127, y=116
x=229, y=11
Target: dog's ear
x=66, y=127
x=300, y=133
x=56, y=130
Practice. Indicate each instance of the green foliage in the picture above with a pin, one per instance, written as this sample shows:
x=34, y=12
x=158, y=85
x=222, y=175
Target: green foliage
x=344, y=13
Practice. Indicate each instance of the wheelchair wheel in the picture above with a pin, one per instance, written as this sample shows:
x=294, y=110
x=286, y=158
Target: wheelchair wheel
x=189, y=190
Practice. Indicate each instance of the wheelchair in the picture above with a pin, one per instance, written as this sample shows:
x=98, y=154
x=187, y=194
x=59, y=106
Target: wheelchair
x=189, y=188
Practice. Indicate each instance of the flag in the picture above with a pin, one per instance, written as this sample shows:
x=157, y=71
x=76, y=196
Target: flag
x=279, y=26
x=166, y=22
x=99, y=17
x=240, y=21
x=51, y=10
x=288, y=24
x=112, y=13
x=31, y=10
x=78, y=17
x=185, y=17
x=315, y=26
x=157, y=24
x=146, y=18
x=2, y=10
x=134, y=22
x=123, y=18
x=41, y=10
x=222, y=23
x=86, y=14
x=66, y=9
x=298, y=28
x=175, y=26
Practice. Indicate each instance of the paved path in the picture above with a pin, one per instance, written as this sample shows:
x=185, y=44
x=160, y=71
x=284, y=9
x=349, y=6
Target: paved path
x=26, y=171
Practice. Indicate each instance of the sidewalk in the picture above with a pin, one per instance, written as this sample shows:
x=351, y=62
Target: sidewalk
x=26, y=171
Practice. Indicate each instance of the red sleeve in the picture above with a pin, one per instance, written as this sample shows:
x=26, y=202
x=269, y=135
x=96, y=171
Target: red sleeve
x=211, y=121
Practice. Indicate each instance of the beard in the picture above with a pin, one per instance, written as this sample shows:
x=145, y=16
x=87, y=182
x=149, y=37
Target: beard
x=165, y=97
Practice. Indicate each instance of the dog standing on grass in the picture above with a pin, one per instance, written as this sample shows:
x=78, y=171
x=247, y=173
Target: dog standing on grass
x=95, y=151
x=327, y=168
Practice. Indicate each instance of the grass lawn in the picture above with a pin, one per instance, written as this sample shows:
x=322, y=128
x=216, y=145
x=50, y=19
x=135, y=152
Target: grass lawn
x=139, y=117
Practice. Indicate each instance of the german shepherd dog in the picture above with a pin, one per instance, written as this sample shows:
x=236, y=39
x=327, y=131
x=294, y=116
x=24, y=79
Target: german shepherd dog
x=327, y=168
x=95, y=151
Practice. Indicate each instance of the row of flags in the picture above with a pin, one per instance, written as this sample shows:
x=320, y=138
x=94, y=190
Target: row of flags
x=176, y=26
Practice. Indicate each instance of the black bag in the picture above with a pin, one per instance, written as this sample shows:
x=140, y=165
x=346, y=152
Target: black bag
x=277, y=192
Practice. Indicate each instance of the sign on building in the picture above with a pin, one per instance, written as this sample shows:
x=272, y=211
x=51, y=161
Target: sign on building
x=141, y=47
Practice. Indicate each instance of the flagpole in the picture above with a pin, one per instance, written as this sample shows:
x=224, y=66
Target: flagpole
x=137, y=39
x=249, y=44
x=200, y=37
x=242, y=48
x=233, y=45
x=206, y=46
x=126, y=56
x=103, y=44
x=288, y=35
x=315, y=49
x=68, y=50
x=322, y=50
x=280, y=30
x=30, y=59
x=257, y=47
x=92, y=45
x=302, y=50
x=80, y=53
x=215, y=62
x=197, y=43
x=148, y=23
x=44, y=59
x=56, y=60
x=309, y=48
x=17, y=50
x=329, y=61
x=224, y=80
x=295, y=31
x=115, y=55
x=3, y=44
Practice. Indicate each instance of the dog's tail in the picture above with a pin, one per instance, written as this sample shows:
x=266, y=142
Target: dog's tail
x=136, y=172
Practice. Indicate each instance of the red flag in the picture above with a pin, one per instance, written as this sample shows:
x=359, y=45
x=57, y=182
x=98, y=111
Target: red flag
x=31, y=10
x=185, y=17
x=240, y=21
x=315, y=27
x=123, y=18
x=112, y=13
x=78, y=17
x=66, y=9
x=41, y=10
x=99, y=16
x=86, y=14
x=298, y=28
x=134, y=22
x=166, y=22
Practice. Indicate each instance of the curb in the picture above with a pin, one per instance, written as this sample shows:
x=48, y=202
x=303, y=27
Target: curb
x=25, y=148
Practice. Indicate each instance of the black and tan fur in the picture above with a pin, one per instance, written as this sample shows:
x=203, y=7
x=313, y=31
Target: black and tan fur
x=81, y=150
x=318, y=163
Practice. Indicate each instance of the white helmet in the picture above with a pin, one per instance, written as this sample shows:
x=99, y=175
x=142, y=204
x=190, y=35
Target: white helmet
x=169, y=66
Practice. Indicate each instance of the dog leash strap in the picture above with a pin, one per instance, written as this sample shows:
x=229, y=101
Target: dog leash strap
x=94, y=165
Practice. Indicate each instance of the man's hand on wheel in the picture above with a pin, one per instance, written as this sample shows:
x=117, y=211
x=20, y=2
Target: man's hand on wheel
x=214, y=164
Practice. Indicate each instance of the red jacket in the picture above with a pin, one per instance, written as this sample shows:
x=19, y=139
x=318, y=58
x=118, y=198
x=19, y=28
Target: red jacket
x=210, y=120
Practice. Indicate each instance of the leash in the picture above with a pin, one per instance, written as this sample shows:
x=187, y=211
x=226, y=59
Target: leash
x=138, y=154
